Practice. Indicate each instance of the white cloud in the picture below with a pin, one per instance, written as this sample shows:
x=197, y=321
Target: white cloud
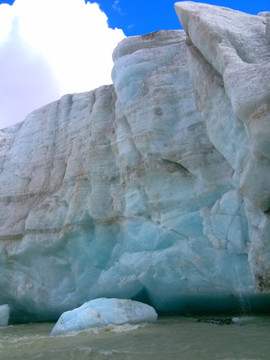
x=49, y=48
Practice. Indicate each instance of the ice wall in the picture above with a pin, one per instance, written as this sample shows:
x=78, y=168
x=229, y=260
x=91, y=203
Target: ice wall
x=229, y=62
x=130, y=191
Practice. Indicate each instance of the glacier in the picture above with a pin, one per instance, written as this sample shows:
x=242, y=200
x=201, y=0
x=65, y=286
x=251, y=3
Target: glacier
x=153, y=188
x=104, y=312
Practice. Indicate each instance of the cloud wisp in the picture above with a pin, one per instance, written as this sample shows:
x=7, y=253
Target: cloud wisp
x=117, y=7
x=49, y=48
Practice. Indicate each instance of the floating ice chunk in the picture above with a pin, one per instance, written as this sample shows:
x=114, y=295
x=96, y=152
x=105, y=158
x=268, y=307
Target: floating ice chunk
x=4, y=315
x=103, y=311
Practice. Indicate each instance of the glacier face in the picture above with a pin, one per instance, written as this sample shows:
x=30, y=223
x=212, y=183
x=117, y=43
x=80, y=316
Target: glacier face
x=138, y=189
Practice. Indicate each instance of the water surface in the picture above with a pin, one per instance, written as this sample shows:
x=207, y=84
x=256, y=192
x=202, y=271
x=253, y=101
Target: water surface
x=169, y=338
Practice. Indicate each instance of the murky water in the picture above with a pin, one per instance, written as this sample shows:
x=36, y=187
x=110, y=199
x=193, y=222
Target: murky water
x=169, y=338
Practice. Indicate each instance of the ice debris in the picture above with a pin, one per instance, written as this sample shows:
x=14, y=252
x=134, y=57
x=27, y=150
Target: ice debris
x=4, y=315
x=102, y=312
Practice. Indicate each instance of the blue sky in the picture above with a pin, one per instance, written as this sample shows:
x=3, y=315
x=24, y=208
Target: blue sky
x=137, y=17
x=49, y=48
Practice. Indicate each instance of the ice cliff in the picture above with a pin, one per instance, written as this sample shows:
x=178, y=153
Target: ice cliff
x=155, y=188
